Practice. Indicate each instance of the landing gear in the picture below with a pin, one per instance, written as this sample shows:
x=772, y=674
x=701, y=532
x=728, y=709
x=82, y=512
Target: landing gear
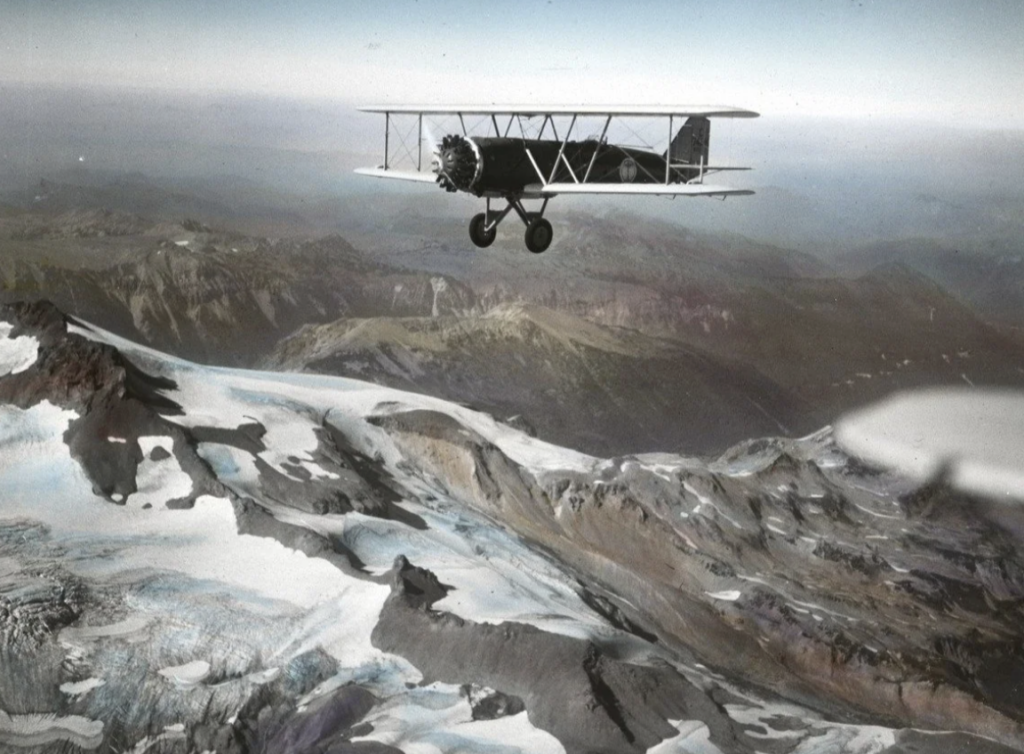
x=477, y=234
x=538, y=235
x=484, y=226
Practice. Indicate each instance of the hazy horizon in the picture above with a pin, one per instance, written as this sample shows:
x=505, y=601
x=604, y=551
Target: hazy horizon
x=861, y=58
x=878, y=120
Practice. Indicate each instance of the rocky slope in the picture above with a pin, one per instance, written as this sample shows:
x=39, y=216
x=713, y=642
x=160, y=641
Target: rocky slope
x=212, y=296
x=596, y=387
x=834, y=339
x=988, y=275
x=216, y=559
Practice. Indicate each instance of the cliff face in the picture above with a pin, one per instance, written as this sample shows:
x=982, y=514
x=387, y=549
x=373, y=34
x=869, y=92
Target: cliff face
x=214, y=558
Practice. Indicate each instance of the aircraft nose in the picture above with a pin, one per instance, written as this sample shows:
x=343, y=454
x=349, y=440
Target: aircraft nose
x=456, y=165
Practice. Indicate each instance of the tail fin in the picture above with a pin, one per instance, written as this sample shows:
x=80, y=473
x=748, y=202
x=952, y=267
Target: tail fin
x=690, y=145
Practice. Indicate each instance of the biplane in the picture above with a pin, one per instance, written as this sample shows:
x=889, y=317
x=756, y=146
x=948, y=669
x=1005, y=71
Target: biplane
x=503, y=164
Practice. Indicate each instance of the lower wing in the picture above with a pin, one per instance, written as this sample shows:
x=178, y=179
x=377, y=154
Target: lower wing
x=637, y=189
x=398, y=175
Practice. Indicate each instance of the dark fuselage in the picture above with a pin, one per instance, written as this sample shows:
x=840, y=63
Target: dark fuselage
x=507, y=169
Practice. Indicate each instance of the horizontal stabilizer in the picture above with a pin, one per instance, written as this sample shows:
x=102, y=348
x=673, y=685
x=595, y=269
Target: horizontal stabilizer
x=705, y=168
x=638, y=189
x=398, y=175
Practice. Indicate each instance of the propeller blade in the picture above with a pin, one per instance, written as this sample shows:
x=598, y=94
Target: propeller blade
x=431, y=137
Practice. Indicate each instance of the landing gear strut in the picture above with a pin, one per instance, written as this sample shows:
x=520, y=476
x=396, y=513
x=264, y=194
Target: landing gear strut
x=483, y=227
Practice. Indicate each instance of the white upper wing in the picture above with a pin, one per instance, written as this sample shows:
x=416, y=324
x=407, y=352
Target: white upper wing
x=706, y=111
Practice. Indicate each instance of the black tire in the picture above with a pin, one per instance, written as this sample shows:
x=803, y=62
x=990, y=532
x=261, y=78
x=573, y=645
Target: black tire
x=538, y=235
x=477, y=234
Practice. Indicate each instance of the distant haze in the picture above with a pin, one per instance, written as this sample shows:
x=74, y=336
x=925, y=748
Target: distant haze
x=933, y=61
x=821, y=182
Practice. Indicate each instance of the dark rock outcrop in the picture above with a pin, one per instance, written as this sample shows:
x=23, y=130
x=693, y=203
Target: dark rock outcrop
x=116, y=402
x=591, y=703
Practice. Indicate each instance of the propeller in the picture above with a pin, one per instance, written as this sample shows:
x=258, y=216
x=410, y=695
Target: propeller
x=455, y=163
x=435, y=145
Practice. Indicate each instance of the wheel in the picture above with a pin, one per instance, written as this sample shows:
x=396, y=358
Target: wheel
x=538, y=235
x=477, y=234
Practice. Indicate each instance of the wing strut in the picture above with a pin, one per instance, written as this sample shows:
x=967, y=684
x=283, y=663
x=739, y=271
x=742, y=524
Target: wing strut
x=561, y=149
x=600, y=141
x=536, y=167
x=668, y=153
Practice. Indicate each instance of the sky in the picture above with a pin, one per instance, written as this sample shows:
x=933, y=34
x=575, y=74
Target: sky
x=938, y=61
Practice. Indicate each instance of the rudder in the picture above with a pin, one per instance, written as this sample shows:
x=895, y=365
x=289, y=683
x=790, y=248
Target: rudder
x=690, y=145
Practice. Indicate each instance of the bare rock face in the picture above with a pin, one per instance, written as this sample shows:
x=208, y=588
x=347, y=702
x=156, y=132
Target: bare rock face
x=271, y=722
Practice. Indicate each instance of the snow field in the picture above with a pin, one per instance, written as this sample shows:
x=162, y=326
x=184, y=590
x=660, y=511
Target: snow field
x=39, y=480
x=227, y=398
x=158, y=482
x=437, y=719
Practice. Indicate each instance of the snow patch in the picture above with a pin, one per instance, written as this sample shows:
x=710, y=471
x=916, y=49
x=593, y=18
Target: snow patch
x=16, y=354
x=437, y=719
x=34, y=461
x=171, y=733
x=36, y=730
x=264, y=676
x=292, y=406
x=158, y=482
x=81, y=687
x=817, y=736
x=203, y=542
x=730, y=595
x=315, y=472
x=495, y=577
x=662, y=470
x=694, y=738
x=74, y=636
x=189, y=674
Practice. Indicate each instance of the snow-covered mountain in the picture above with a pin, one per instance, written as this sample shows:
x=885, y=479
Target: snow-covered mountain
x=203, y=559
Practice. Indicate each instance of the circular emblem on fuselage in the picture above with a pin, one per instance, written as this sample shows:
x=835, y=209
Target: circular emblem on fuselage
x=627, y=170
